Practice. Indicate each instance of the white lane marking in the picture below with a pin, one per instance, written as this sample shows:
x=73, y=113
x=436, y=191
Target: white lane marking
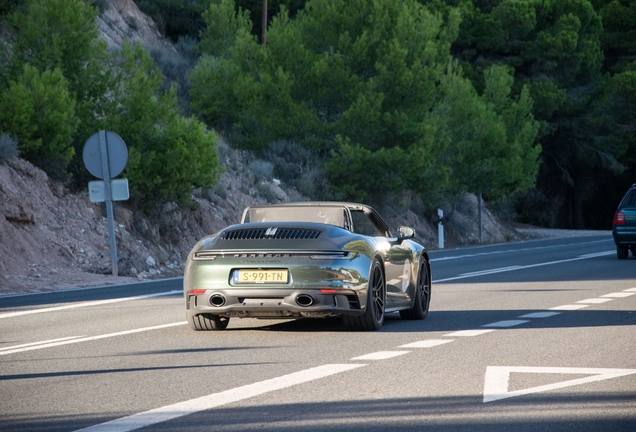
x=426, y=343
x=86, y=304
x=380, y=355
x=91, y=338
x=597, y=254
x=214, y=400
x=539, y=315
x=513, y=268
x=630, y=290
x=619, y=294
x=570, y=307
x=497, y=377
x=506, y=323
x=515, y=250
x=394, y=281
x=469, y=333
x=39, y=343
x=595, y=300
x=485, y=272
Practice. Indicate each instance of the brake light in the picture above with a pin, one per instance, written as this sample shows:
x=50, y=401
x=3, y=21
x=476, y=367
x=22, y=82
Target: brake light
x=619, y=218
x=196, y=292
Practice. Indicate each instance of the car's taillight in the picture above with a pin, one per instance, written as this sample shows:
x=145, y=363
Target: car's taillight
x=619, y=218
x=196, y=291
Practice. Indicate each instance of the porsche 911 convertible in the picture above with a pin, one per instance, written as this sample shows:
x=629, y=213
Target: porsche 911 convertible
x=307, y=259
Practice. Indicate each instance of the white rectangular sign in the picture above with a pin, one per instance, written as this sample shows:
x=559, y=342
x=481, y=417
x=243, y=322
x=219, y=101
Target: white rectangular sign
x=118, y=188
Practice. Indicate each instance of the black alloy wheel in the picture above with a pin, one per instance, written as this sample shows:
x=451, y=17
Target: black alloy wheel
x=422, y=299
x=373, y=316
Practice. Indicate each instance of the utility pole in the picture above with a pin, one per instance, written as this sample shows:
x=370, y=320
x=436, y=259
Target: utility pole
x=264, y=23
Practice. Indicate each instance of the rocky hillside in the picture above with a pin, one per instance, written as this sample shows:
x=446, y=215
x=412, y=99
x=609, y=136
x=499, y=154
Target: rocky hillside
x=51, y=238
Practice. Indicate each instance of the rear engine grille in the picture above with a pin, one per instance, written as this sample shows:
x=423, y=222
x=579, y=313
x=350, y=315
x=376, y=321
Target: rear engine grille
x=316, y=255
x=273, y=234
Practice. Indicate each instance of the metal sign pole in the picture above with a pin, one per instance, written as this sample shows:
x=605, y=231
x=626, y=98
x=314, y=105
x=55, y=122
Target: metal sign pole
x=109, y=200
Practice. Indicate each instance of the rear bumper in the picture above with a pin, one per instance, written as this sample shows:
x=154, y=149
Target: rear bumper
x=624, y=235
x=273, y=303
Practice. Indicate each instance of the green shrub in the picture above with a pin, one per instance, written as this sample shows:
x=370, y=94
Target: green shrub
x=182, y=156
x=39, y=111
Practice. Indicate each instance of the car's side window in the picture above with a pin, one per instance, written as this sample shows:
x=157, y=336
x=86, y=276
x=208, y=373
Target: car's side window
x=362, y=225
x=630, y=199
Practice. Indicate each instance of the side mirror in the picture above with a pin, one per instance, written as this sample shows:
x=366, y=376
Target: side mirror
x=405, y=233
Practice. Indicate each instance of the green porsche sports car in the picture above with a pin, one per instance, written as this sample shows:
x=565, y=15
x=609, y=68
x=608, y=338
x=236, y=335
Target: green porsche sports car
x=307, y=259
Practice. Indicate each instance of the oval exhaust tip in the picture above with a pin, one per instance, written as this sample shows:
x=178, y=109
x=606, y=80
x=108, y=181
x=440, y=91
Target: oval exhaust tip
x=304, y=300
x=217, y=300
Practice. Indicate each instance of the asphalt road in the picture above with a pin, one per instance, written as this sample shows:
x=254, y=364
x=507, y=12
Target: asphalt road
x=529, y=336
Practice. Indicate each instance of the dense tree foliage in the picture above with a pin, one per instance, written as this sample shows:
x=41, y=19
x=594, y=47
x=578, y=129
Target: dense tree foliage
x=618, y=41
x=555, y=49
x=60, y=85
x=368, y=84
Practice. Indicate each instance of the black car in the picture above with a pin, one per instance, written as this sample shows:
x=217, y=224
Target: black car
x=624, y=231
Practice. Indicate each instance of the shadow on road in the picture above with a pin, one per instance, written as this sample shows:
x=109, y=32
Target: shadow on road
x=575, y=412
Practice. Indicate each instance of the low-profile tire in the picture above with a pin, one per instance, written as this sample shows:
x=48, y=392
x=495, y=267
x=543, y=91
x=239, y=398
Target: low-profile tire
x=622, y=252
x=373, y=316
x=208, y=322
x=419, y=311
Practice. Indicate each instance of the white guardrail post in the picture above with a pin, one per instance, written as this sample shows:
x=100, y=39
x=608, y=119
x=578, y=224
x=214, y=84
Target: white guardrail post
x=440, y=228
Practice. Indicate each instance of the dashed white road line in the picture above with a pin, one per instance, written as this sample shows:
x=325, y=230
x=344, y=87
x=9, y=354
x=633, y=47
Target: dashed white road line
x=540, y=315
x=381, y=355
x=507, y=323
x=595, y=300
x=570, y=307
x=426, y=343
x=86, y=304
x=192, y=406
x=619, y=294
x=468, y=333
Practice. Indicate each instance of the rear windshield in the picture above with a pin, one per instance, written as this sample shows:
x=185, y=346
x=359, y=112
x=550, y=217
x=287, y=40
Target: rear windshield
x=326, y=215
x=630, y=199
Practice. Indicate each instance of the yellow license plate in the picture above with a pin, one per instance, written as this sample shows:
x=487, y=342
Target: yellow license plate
x=261, y=276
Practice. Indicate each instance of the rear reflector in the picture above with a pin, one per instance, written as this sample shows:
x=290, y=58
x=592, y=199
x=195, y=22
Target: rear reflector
x=336, y=291
x=196, y=292
x=619, y=218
